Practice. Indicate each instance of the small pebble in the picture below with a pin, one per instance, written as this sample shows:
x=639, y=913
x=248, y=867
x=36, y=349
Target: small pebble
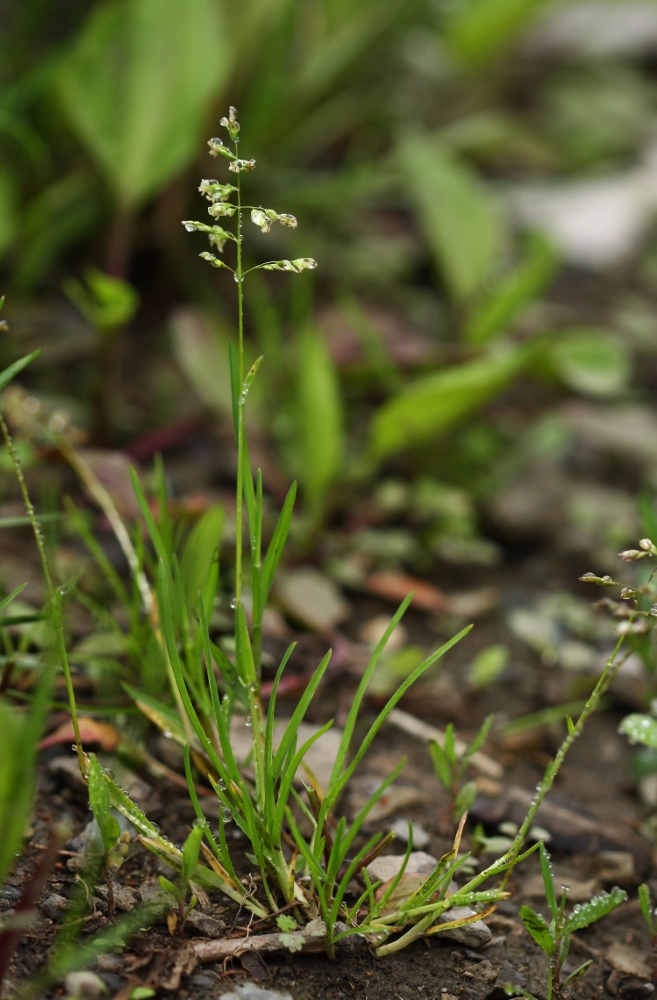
x=206, y=924
x=85, y=985
x=420, y=836
x=54, y=906
x=248, y=991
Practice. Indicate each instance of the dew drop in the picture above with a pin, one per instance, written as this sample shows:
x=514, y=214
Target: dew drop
x=233, y=603
x=168, y=735
x=248, y=721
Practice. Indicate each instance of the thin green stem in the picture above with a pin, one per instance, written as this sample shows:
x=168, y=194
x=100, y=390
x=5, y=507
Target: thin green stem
x=508, y=860
x=54, y=596
x=240, y=399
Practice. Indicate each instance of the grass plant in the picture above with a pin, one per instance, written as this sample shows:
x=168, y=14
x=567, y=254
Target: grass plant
x=450, y=767
x=649, y=913
x=303, y=856
x=554, y=937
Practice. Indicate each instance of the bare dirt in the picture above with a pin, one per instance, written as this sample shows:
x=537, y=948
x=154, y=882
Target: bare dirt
x=594, y=819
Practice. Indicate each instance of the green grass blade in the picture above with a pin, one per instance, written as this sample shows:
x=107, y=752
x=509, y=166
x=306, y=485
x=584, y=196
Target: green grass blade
x=548, y=880
x=338, y=783
x=290, y=769
x=9, y=373
x=276, y=546
x=154, y=532
x=289, y=737
x=350, y=724
x=234, y=368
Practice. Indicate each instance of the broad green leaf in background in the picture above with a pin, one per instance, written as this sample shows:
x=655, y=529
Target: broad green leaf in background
x=106, y=302
x=17, y=755
x=435, y=402
x=593, y=362
x=54, y=218
x=460, y=221
x=320, y=417
x=488, y=665
x=136, y=86
x=201, y=551
x=8, y=210
x=200, y=346
x=478, y=31
x=493, y=313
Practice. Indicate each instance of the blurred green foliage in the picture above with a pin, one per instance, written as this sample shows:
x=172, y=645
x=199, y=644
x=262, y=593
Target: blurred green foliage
x=396, y=129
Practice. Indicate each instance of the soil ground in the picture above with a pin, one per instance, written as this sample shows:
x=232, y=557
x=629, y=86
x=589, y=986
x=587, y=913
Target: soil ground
x=596, y=842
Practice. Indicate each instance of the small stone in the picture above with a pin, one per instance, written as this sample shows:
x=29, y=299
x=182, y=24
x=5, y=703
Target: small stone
x=206, y=924
x=627, y=960
x=509, y=974
x=203, y=982
x=387, y=867
x=484, y=971
x=54, y=906
x=420, y=836
x=474, y=935
x=125, y=898
x=84, y=986
x=248, y=991
x=616, y=867
x=9, y=896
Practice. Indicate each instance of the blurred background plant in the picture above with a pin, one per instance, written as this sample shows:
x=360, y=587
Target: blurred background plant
x=454, y=159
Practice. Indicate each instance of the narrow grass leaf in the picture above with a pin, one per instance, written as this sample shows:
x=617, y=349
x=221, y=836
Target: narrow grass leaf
x=277, y=544
x=10, y=597
x=288, y=741
x=548, y=880
x=385, y=712
x=12, y=370
x=461, y=223
x=435, y=402
x=495, y=311
x=320, y=418
x=200, y=552
x=646, y=908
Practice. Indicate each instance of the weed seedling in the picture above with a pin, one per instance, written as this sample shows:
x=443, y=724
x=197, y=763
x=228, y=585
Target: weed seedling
x=554, y=937
x=115, y=843
x=450, y=762
x=650, y=917
x=176, y=918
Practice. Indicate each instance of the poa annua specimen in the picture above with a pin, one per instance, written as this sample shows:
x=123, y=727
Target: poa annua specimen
x=304, y=858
